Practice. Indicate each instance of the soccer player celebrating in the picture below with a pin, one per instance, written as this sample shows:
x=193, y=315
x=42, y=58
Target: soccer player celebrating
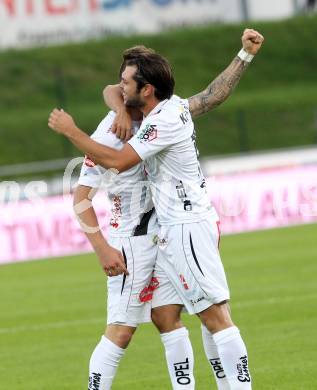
x=188, y=237
x=131, y=248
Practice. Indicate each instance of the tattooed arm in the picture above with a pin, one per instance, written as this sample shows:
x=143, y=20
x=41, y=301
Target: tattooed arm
x=218, y=90
x=222, y=87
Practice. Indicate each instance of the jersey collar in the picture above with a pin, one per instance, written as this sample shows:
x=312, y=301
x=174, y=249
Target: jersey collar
x=157, y=108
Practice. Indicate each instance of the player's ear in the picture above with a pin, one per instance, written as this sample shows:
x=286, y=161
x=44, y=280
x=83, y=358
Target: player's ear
x=148, y=90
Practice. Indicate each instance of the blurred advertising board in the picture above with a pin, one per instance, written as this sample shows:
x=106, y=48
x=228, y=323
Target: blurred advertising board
x=28, y=23
x=249, y=201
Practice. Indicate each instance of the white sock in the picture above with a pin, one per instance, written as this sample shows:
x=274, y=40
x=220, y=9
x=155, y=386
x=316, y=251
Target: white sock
x=103, y=364
x=234, y=358
x=180, y=358
x=212, y=354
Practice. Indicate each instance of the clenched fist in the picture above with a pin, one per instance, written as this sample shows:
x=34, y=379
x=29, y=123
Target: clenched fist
x=112, y=261
x=252, y=41
x=61, y=122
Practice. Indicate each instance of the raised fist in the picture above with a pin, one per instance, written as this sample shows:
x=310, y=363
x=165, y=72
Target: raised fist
x=252, y=41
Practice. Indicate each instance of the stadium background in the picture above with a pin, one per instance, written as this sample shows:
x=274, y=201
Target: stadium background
x=52, y=311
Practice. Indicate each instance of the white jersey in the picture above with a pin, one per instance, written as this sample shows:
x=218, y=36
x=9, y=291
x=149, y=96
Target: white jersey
x=166, y=141
x=132, y=211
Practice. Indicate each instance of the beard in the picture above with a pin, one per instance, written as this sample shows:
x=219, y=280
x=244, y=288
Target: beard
x=134, y=102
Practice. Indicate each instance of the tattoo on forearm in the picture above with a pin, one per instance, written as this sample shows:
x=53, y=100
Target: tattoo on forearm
x=219, y=89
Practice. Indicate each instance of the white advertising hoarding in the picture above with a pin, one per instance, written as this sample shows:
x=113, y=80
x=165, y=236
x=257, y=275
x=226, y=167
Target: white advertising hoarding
x=270, y=9
x=27, y=23
x=36, y=22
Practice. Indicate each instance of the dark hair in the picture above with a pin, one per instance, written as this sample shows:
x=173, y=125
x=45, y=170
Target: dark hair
x=133, y=52
x=152, y=69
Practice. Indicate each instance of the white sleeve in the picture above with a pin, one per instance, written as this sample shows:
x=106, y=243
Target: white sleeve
x=91, y=175
x=104, y=127
x=154, y=136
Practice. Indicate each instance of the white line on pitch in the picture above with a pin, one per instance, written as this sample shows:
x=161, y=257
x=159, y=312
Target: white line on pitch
x=65, y=324
x=52, y=325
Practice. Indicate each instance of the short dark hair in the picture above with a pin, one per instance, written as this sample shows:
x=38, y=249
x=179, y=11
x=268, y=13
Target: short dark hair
x=152, y=69
x=131, y=53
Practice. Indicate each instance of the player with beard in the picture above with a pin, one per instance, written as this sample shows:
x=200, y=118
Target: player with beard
x=188, y=238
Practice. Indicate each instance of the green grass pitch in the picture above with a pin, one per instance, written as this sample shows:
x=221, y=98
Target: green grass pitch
x=52, y=314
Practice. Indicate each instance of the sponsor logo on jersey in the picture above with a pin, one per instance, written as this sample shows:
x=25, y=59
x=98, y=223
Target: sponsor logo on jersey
x=243, y=370
x=194, y=301
x=148, y=134
x=195, y=144
x=180, y=189
x=160, y=241
x=146, y=294
x=188, y=205
x=183, y=280
x=181, y=193
x=89, y=162
x=182, y=372
x=94, y=381
x=116, y=211
x=217, y=367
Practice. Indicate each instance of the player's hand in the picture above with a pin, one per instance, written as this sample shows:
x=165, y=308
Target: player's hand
x=252, y=41
x=122, y=125
x=112, y=262
x=61, y=122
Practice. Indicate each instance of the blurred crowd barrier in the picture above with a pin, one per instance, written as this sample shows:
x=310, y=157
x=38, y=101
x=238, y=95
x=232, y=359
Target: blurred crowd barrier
x=250, y=192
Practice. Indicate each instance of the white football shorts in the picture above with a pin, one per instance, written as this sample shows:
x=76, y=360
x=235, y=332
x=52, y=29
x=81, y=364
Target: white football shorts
x=165, y=293
x=189, y=270
x=129, y=297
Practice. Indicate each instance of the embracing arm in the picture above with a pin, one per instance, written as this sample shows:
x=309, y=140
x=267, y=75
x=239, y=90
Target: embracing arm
x=222, y=87
x=122, y=125
x=120, y=160
x=110, y=258
x=112, y=95
x=87, y=217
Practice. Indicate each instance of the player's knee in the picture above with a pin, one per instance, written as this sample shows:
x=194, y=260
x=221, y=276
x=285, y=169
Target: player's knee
x=124, y=338
x=166, y=320
x=216, y=325
x=156, y=318
x=216, y=318
x=120, y=335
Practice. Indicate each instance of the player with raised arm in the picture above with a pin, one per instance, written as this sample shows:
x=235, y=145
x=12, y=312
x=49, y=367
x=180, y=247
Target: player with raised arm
x=210, y=98
x=188, y=235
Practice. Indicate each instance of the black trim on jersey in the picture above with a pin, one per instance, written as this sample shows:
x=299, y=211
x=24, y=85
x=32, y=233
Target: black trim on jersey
x=141, y=229
x=124, y=275
x=189, y=263
x=194, y=254
x=132, y=283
